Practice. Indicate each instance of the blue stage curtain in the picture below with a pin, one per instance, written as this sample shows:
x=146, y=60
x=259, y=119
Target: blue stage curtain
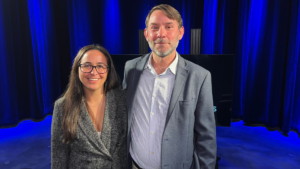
x=112, y=27
x=291, y=116
x=29, y=64
x=219, y=26
x=39, y=40
x=264, y=35
x=94, y=22
x=79, y=17
x=185, y=8
x=265, y=88
x=210, y=23
x=8, y=99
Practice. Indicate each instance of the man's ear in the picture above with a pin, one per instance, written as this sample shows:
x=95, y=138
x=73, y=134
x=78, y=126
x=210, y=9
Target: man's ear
x=146, y=34
x=181, y=32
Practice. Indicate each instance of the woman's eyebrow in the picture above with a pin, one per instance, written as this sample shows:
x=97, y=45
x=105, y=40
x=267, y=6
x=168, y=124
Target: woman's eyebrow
x=91, y=63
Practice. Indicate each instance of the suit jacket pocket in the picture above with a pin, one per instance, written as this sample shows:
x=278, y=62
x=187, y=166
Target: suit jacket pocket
x=187, y=105
x=188, y=101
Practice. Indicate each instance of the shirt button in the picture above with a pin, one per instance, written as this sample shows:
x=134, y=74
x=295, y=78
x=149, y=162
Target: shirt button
x=151, y=133
x=154, y=95
x=152, y=114
x=152, y=153
x=157, y=77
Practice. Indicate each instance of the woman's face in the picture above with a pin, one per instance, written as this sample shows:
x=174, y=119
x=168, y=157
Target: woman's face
x=93, y=81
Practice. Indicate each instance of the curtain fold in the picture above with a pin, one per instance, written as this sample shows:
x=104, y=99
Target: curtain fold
x=29, y=61
x=80, y=22
x=8, y=99
x=44, y=54
x=219, y=26
x=291, y=117
x=266, y=78
x=265, y=72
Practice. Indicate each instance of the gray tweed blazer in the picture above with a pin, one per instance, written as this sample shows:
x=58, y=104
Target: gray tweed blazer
x=89, y=150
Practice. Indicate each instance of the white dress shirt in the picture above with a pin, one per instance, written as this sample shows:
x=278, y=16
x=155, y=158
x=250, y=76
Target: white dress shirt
x=149, y=114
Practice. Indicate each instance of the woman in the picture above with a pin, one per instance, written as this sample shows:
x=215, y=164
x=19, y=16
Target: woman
x=89, y=123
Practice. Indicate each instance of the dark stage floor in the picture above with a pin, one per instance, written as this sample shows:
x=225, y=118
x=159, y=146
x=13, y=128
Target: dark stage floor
x=27, y=146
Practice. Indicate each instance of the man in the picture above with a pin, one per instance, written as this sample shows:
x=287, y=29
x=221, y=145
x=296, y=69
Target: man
x=169, y=99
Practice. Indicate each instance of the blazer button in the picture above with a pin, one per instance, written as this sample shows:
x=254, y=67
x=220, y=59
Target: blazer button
x=118, y=145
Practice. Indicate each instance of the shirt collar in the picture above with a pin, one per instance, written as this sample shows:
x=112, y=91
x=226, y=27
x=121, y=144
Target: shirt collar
x=172, y=67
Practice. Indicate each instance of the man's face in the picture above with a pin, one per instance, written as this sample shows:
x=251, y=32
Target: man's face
x=163, y=34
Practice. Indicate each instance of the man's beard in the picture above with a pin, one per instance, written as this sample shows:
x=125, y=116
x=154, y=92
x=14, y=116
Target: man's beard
x=163, y=53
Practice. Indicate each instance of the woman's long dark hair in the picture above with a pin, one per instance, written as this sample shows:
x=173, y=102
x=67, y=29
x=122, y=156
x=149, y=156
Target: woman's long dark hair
x=74, y=93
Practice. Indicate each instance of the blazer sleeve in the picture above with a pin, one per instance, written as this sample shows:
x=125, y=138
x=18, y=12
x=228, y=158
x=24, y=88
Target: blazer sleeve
x=205, y=128
x=60, y=151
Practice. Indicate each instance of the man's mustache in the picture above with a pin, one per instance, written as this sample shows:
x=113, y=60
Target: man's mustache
x=161, y=41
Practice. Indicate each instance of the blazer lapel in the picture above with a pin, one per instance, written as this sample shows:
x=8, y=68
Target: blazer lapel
x=86, y=125
x=179, y=83
x=139, y=67
x=109, y=121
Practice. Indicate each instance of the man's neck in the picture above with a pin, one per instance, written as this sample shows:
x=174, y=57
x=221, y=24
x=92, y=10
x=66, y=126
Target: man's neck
x=160, y=64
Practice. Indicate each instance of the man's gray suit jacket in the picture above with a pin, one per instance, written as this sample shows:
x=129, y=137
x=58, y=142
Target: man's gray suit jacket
x=189, y=137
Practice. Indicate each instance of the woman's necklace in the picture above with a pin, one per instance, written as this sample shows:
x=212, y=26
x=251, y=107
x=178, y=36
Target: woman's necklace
x=95, y=120
x=103, y=98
